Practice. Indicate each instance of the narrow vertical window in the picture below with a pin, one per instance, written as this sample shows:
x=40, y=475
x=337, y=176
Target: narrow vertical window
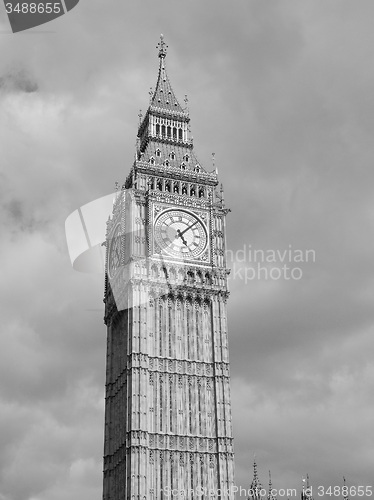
x=160, y=402
x=160, y=324
x=172, y=397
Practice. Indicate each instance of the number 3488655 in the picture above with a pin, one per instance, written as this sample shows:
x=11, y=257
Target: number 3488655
x=345, y=491
x=34, y=8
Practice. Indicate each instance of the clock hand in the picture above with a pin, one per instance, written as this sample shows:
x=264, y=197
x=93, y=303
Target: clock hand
x=180, y=235
x=188, y=227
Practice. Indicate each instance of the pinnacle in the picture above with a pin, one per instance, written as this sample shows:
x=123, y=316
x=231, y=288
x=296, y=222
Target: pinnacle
x=163, y=98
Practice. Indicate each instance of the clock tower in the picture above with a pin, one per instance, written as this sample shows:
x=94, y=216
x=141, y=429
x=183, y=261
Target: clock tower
x=167, y=408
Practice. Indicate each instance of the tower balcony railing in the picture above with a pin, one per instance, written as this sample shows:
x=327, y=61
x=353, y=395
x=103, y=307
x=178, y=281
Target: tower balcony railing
x=173, y=138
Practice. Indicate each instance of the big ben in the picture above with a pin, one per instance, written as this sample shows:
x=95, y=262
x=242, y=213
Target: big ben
x=168, y=428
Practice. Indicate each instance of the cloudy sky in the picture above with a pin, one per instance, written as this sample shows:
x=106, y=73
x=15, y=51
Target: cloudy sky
x=282, y=92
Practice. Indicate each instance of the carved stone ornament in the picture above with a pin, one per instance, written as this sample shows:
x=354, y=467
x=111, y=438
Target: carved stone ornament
x=157, y=209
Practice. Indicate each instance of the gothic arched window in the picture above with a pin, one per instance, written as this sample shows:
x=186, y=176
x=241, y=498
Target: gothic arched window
x=163, y=129
x=157, y=129
x=158, y=152
x=190, y=276
x=159, y=184
x=201, y=193
x=180, y=134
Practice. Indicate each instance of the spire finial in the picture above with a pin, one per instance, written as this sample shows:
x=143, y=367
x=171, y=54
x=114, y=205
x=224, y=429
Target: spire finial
x=255, y=485
x=306, y=494
x=270, y=488
x=305, y=489
x=162, y=47
x=345, y=490
x=255, y=477
x=271, y=492
x=186, y=104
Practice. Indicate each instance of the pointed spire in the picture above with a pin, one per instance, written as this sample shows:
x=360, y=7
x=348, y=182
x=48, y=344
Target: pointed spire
x=164, y=136
x=345, y=490
x=162, y=47
x=163, y=98
x=255, y=476
x=256, y=486
x=271, y=496
x=303, y=494
x=308, y=490
x=306, y=493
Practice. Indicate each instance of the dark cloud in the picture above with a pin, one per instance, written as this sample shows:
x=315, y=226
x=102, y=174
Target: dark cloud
x=18, y=81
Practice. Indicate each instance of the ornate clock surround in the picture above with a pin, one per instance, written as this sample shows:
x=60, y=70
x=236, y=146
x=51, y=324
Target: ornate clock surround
x=157, y=210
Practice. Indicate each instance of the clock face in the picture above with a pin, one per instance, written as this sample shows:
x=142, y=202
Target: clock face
x=115, y=251
x=181, y=234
